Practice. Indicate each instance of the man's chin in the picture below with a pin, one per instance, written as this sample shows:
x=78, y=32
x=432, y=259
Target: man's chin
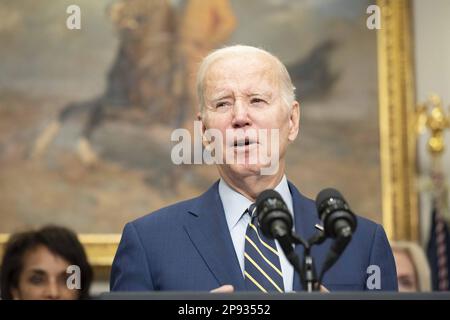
x=243, y=170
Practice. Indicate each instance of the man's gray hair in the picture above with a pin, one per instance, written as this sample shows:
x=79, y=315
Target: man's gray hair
x=286, y=86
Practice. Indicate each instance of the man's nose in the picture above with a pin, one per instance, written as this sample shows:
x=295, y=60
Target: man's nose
x=53, y=291
x=240, y=115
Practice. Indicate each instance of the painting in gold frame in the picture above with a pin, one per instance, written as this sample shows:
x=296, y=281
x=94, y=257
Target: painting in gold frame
x=397, y=141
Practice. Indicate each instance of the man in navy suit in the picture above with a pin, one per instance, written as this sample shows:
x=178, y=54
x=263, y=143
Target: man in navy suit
x=202, y=244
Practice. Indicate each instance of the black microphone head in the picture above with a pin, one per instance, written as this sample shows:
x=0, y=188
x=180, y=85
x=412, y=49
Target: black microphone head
x=267, y=194
x=328, y=197
x=333, y=210
x=326, y=194
x=270, y=208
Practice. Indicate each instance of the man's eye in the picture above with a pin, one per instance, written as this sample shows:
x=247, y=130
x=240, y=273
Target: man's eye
x=222, y=104
x=257, y=100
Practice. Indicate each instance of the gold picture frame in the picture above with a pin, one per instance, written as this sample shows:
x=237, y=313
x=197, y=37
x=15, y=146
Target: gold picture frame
x=396, y=90
x=397, y=138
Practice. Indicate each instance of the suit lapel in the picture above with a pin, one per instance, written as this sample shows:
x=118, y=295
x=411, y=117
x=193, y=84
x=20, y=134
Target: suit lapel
x=208, y=230
x=305, y=217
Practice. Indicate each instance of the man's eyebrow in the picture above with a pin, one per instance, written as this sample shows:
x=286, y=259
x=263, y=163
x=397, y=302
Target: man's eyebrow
x=263, y=94
x=221, y=96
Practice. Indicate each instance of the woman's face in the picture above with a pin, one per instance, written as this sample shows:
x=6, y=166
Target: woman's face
x=406, y=273
x=44, y=277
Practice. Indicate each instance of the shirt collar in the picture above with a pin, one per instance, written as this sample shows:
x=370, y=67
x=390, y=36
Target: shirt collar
x=235, y=204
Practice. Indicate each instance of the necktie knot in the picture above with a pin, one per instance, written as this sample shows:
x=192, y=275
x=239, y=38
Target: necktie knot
x=252, y=210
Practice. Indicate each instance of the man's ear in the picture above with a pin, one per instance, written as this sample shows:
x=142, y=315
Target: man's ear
x=294, y=121
x=202, y=120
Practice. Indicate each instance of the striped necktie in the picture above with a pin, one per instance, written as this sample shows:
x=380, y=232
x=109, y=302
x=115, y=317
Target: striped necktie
x=262, y=264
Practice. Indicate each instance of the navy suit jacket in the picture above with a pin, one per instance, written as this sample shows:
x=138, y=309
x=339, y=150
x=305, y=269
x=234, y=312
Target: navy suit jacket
x=187, y=247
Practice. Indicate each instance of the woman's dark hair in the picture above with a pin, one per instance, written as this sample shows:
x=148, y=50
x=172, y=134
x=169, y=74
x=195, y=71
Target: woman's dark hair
x=58, y=240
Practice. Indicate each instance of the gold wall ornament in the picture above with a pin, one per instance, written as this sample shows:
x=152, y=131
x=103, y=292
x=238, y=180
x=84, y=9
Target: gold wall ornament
x=397, y=120
x=431, y=115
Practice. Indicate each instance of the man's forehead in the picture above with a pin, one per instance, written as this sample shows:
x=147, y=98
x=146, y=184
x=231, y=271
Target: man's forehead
x=254, y=76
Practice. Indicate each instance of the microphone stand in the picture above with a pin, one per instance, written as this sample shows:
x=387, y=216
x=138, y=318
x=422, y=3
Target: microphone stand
x=306, y=271
x=286, y=239
x=308, y=274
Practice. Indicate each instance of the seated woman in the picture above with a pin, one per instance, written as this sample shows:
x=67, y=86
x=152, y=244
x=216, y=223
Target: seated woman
x=413, y=271
x=35, y=266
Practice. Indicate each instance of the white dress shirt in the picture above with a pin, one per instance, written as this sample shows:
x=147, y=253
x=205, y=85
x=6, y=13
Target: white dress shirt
x=234, y=205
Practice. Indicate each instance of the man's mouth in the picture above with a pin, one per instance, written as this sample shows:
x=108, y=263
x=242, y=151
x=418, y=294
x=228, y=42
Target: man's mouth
x=243, y=142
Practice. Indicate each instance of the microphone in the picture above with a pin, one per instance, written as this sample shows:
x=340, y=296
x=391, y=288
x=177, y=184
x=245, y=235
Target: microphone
x=339, y=223
x=338, y=220
x=276, y=222
x=273, y=215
